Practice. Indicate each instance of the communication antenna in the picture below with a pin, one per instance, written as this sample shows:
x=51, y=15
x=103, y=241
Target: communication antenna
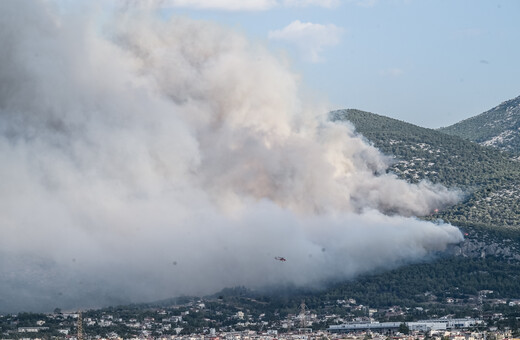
x=80, y=326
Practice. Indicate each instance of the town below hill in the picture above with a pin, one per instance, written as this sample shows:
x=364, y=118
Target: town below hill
x=236, y=315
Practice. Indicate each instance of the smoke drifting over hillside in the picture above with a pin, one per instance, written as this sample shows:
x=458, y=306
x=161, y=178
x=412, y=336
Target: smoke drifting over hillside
x=144, y=158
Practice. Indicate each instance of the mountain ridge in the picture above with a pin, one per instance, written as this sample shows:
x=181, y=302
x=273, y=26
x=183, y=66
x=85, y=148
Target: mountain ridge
x=498, y=127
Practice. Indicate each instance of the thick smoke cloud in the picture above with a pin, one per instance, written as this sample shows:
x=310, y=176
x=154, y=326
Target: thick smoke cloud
x=144, y=158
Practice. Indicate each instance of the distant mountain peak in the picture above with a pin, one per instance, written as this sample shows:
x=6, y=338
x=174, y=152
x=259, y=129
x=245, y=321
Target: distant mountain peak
x=498, y=127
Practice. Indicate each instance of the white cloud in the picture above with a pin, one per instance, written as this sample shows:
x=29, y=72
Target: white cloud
x=233, y=5
x=309, y=38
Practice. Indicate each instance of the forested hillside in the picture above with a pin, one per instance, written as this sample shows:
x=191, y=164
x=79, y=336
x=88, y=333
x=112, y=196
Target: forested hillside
x=498, y=127
x=490, y=179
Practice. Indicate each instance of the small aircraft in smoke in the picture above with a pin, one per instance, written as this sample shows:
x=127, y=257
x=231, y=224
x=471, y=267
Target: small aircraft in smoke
x=279, y=258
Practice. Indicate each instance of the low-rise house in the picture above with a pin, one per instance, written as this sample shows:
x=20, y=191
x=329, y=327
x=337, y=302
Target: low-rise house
x=35, y=329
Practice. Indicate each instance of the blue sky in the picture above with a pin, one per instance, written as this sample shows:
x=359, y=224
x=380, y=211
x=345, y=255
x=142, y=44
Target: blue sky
x=431, y=63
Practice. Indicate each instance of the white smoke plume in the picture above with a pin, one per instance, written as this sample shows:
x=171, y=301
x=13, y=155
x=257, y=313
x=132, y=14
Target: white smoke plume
x=143, y=158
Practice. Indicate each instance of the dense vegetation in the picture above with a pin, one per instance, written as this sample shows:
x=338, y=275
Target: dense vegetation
x=490, y=179
x=422, y=284
x=497, y=127
x=426, y=283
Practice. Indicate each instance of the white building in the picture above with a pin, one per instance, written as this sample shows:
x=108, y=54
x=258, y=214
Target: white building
x=422, y=325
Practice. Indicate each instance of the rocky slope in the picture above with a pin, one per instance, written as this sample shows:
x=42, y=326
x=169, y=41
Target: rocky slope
x=498, y=127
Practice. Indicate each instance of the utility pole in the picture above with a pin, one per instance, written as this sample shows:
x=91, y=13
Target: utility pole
x=80, y=326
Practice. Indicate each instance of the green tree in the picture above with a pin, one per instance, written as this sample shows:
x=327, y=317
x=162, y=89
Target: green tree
x=404, y=329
